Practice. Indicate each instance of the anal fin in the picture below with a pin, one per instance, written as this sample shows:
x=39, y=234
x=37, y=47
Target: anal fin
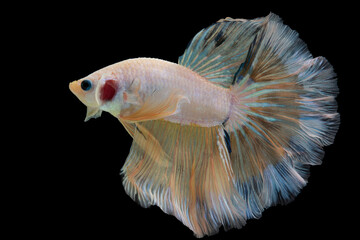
x=186, y=171
x=129, y=127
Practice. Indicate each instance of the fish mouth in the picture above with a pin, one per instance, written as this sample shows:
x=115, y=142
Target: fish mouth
x=74, y=87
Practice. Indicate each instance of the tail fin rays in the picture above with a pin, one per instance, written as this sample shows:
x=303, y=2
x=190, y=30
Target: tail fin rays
x=283, y=113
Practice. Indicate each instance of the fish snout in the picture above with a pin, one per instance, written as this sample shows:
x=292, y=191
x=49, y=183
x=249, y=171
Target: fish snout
x=86, y=97
x=74, y=87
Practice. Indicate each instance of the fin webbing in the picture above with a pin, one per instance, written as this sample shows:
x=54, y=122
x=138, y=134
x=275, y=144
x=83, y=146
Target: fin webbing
x=92, y=112
x=186, y=171
x=250, y=60
x=216, y=52
x=227, y=141
x=156, y=106
x=283, y=113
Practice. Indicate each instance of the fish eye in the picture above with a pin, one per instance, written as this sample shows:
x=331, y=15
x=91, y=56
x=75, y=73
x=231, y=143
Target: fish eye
x=86, y=85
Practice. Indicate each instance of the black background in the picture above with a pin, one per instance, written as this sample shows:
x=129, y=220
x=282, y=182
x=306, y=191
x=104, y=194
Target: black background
x=78, y=187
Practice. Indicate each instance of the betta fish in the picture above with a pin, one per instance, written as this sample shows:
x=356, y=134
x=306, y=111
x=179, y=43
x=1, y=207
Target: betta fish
x=229, y=130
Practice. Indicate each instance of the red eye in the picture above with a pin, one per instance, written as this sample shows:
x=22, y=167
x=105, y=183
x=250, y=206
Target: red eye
x=108, y=91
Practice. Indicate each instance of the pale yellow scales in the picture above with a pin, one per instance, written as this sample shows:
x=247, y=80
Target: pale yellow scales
x=229, y=131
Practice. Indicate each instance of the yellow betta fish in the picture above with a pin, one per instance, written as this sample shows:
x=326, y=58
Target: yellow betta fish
x=229, y=130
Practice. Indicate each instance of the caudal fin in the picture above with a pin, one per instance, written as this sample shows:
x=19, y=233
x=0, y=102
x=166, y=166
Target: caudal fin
x=283, y=113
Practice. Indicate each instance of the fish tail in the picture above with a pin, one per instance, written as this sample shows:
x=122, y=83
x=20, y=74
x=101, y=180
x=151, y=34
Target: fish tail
x=283, y=112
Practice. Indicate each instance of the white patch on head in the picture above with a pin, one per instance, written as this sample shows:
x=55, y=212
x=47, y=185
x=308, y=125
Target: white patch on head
x=115, y=105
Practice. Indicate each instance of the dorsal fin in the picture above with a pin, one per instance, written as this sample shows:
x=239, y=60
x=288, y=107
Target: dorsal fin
x=217, y=52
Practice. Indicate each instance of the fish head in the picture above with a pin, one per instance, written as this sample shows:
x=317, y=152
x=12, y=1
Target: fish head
x=87, y=90
x=97, y=91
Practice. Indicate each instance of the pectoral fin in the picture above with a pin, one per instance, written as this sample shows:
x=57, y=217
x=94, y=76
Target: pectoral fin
x=92, y=113
x=157, y=106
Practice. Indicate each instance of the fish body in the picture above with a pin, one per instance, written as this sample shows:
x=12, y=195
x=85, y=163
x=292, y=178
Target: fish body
x=228, y=131
x=204, y=104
